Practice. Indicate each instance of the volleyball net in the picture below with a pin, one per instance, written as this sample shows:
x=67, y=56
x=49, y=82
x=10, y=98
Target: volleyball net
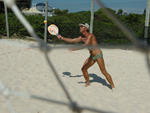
x=45, y=49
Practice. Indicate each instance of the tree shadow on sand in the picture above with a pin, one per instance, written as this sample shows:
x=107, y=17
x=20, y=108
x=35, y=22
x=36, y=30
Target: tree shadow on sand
x=96, y=78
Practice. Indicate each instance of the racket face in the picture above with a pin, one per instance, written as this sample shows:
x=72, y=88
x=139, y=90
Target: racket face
x=53, y=29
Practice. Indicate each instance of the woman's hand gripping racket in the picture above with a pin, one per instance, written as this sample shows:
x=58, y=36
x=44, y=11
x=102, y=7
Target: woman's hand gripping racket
x=53, y=30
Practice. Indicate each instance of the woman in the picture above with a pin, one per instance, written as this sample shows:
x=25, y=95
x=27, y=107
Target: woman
x=95, y=53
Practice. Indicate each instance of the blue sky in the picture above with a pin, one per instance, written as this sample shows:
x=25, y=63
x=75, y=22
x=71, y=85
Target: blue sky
x=83, y=5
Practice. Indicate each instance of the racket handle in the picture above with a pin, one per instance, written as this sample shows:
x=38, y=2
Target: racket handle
x=60, y=36
x=57, y=34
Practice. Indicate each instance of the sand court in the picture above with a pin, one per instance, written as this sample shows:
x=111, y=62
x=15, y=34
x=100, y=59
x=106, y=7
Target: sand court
x=25, y=69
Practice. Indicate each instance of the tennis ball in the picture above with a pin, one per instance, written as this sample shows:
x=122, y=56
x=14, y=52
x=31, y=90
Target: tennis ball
x=45, y=21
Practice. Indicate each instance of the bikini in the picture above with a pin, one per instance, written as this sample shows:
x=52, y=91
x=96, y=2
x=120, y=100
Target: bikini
x=100, y=55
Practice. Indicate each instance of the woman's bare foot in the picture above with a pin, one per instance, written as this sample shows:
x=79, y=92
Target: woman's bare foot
x=112, y=85
x=87, y=83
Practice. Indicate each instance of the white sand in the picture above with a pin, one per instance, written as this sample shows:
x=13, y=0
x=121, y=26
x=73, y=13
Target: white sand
x=25, y=69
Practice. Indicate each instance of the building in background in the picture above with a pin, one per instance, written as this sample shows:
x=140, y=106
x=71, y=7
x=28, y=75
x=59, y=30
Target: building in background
x=27, y=8
x=39, y=9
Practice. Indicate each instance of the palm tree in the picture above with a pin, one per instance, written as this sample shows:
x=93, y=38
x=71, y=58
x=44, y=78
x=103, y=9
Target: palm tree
x=22, y=4
x=1, y=7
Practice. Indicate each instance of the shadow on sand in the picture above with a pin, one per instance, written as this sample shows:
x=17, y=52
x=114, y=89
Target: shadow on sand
x=96, y=78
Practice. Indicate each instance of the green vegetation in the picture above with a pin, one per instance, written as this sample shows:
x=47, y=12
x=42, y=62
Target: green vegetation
x=104, y=29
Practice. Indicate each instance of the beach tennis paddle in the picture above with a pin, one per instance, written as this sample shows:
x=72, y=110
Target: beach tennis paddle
x=53, y=30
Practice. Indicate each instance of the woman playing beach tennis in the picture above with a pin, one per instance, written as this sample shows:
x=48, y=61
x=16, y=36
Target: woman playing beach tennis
x=95, y=53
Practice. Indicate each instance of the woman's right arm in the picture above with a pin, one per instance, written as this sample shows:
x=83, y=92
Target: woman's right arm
x=70, y=40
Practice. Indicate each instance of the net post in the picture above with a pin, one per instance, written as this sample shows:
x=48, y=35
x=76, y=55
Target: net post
x=6, y=18
x=147, y=23
x=45, y=21
x=92, y=16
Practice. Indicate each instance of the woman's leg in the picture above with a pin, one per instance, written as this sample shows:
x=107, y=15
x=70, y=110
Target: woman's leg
x=101, y=64
x=88, y=63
